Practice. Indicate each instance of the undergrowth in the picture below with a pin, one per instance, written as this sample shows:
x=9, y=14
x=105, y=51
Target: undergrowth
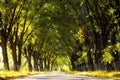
x=101, y=74
x=14, y=74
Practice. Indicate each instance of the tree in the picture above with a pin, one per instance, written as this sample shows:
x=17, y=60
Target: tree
x=28, y=54
x=100, y=18
x=7, y=22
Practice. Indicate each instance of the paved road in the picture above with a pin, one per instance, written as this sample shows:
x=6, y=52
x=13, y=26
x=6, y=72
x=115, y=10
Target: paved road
x=59, y=76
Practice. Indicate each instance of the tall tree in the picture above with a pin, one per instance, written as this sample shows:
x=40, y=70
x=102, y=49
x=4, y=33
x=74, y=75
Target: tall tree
x=8, y=20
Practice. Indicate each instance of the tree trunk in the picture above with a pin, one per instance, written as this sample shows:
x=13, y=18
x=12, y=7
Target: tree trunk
x=5, y=55
x=116, y=64
x=99, y=44
x=19, y=56
x=45, y=64
x=98, y=63
x=48, y=65
x=36, y=64
x=41, y=64
x=35, y=58
x=97, y=50
x=14, y=56
x=29, y=61
x=90, y=61
x=29, y=65
x=27, y=53
x=84, y=67
x=108, y=67
x=73, y=65
x=74, y=57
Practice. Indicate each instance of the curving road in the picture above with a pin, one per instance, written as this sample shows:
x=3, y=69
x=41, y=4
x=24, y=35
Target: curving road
x=60, y=76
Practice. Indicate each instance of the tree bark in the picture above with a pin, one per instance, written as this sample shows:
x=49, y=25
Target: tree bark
x=41, y=64
x=28, y=53
x=14, y=56
x=4, y=38
x=4, y=53
x=109, y=66
x=19, y=56
x=74, y=57
x=97, y=50
x=29, y=64
x=90, y=61
x=35, y=58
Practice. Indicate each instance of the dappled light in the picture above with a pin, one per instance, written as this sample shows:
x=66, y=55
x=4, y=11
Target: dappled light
x=60, y=35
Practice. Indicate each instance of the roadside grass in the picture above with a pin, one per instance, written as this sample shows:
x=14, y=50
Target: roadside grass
x=101, y=74
x=15, y=74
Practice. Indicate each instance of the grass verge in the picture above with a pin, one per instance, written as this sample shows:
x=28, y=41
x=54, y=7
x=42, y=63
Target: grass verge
x=101, y=74
x=15, y=74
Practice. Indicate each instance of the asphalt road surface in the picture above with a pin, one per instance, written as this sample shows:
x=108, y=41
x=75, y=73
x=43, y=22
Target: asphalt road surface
x=59, y=76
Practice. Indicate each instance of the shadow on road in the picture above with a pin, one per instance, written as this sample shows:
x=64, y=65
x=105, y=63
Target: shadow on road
x=60, y=76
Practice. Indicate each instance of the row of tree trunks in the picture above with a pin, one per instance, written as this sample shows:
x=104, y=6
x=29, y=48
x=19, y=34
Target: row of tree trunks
x=99, y=45
x=101, y=36
x=39, y=63
x=10, y=23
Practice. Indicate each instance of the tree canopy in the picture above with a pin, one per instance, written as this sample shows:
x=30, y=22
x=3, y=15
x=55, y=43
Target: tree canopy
x=49, y=35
